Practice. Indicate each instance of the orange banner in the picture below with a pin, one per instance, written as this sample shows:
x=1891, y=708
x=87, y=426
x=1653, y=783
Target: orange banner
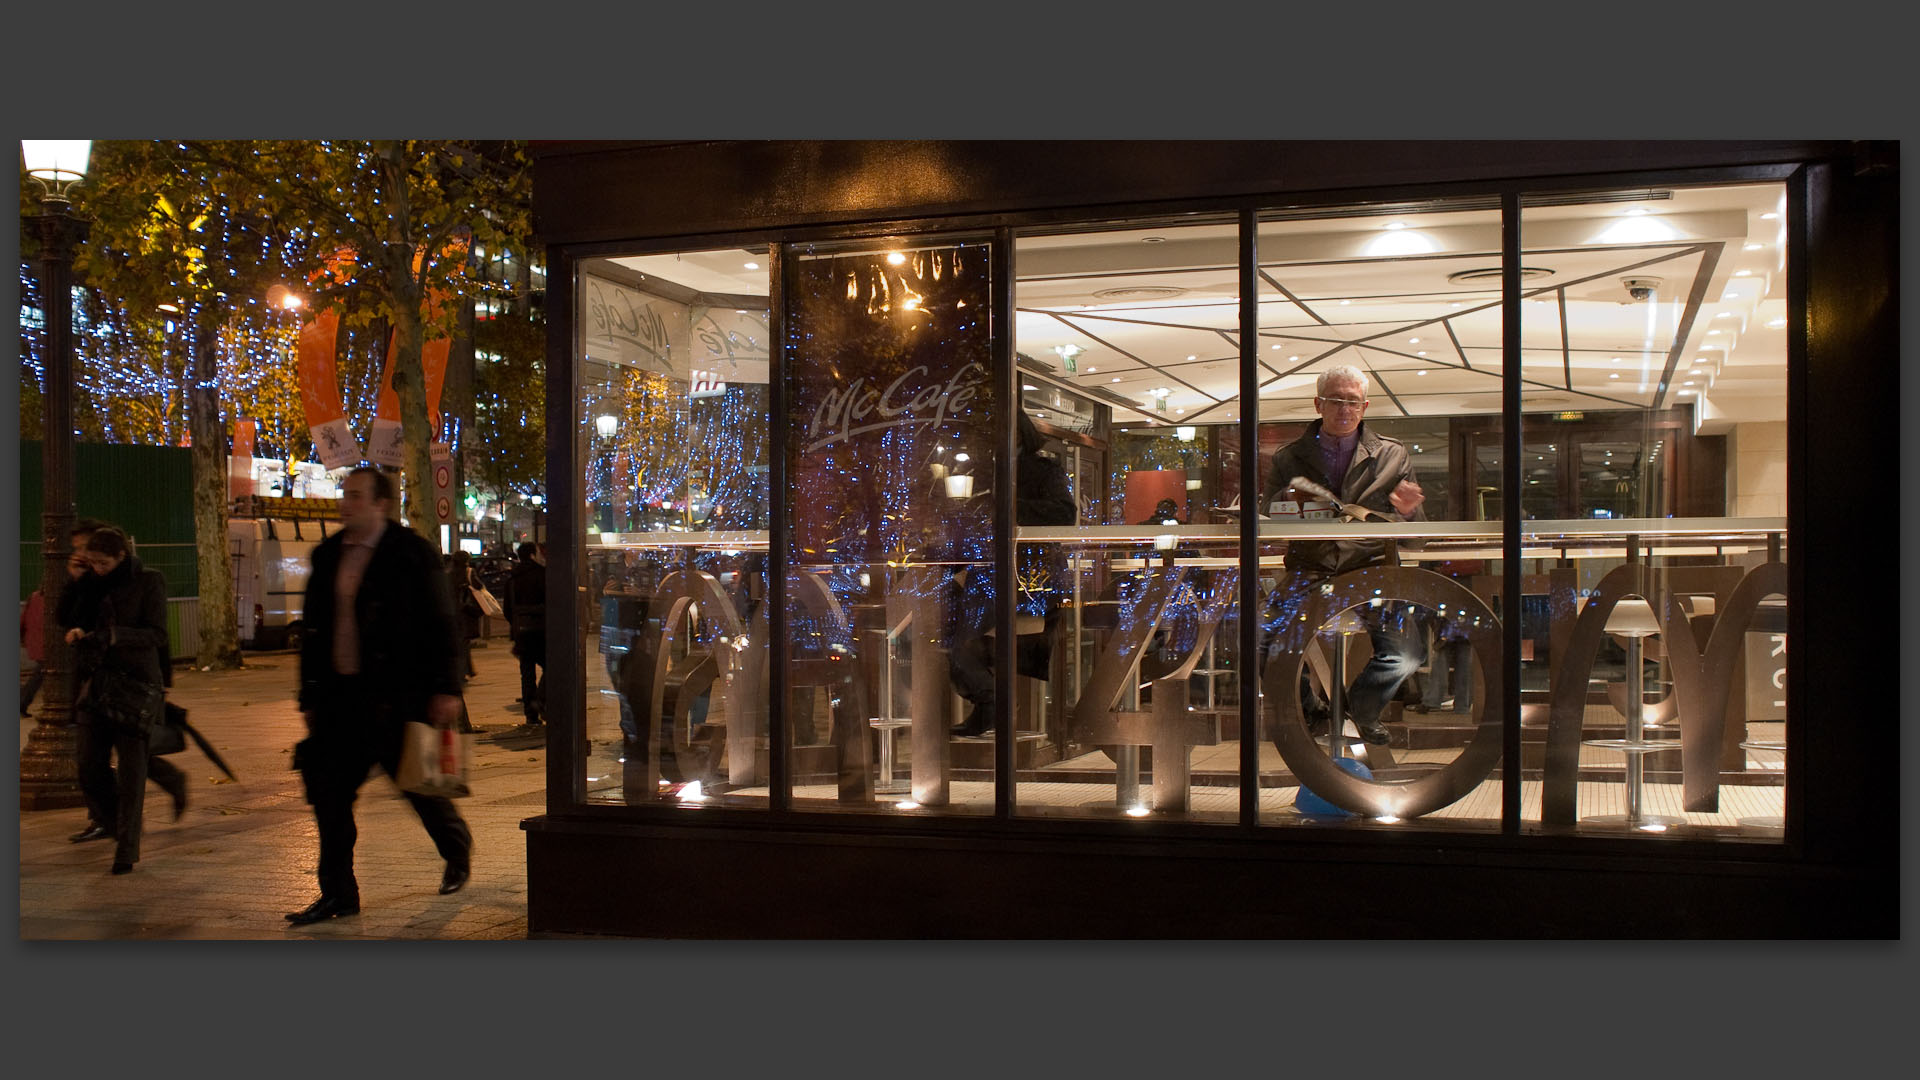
x=320, y=393
x=319, y=381
x=385, y=442
x=240, y=462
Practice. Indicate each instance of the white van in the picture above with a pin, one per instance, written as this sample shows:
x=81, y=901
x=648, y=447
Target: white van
x=271, y=560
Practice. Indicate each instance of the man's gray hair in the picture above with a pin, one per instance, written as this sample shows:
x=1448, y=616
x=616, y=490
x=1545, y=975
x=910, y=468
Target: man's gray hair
x=1344, y=371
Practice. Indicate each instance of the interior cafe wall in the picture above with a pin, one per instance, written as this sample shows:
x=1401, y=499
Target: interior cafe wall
x=795, y=432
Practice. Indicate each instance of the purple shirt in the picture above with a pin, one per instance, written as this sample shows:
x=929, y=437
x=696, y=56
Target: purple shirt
x=1336, y=455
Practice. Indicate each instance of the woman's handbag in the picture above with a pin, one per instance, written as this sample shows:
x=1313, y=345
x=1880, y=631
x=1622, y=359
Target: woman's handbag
x=134, y=705
x=170, y=735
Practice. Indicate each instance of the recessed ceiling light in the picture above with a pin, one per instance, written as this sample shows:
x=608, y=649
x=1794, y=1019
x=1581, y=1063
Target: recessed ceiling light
x=1616, y=359
x=1689, y=382
x=1724, y=315
x=1091, y=369
x=1346, y=301
x=1116, y=378
x=1422, y=371
x=1291, y=359
x=1190, y=357
x=1768, y=216
x=1755, y=247
x=1636, y=209
x=1686, y=391
x=1615, y=375
x=1028, y=386
x=1276, y=346
x=1395, y=225
x=1776, y=323
x=1743, y=273
x=1711, y=333
x=894, y=258
x=1413, y=341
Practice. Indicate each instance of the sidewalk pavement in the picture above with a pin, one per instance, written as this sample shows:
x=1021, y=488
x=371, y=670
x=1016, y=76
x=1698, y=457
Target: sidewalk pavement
x=243, y=854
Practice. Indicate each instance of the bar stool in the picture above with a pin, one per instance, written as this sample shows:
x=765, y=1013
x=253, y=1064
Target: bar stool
x=887, y=783
x=1765, y=821
x=1632, y=618
x=1343, y=626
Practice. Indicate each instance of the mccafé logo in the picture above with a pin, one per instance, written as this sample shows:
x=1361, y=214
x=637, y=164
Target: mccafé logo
x=841, y=415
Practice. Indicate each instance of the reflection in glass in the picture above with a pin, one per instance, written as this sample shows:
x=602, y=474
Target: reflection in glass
x=1128, y=694
x=1656, y=568
x=673, y=444
x=890, y=591
x=1377, y=643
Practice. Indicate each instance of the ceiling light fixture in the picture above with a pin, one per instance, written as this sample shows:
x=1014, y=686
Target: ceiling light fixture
x=753, y=266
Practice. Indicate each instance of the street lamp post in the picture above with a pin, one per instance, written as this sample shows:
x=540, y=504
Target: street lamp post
x=48, y=777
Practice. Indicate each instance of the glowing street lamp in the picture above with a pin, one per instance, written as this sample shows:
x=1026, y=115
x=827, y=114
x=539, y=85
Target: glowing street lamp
x=48, y=777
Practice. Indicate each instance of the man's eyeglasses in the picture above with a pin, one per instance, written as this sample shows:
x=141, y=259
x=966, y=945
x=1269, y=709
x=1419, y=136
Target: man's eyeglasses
x=1345, y=403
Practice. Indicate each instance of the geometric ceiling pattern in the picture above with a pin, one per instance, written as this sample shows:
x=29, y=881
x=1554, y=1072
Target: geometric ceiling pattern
x=1631, y=299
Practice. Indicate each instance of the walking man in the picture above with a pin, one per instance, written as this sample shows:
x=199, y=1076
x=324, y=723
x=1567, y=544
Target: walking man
x=379, y=651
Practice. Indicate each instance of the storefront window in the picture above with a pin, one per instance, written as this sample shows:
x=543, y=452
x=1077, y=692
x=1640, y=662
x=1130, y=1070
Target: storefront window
x=890, y=591
x=1650, y=498
x=1655, y=582
x=1379, y=640
x=674, y=360
x=1128, y=655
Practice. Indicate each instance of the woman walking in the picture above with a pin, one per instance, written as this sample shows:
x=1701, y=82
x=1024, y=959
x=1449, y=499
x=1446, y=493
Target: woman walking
x=116, y=619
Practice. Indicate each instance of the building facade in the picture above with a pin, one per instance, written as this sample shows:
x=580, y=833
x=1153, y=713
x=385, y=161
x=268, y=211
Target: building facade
x=1218, y=539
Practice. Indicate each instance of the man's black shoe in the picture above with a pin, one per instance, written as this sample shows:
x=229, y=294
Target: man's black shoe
x=93, y=831
x=122, y=868
x=979, y=722
x=1374, y=734
x=322, y=909
x=454, y=879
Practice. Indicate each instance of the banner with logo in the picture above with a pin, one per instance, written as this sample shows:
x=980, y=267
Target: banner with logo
x=386, y=444
x=320, y=393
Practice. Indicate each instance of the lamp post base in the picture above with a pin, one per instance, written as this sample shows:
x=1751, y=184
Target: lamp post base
x=49, y=776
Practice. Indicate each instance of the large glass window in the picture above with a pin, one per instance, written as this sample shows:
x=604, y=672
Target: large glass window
x=1128, y=656
x=1654, y=569
x=674, y=362
x=890, y=590
x=1650, y=498
x=1379, y=640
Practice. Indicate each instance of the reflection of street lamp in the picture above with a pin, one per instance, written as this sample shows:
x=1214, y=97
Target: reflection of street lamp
x=607, y=425
x=48, y=778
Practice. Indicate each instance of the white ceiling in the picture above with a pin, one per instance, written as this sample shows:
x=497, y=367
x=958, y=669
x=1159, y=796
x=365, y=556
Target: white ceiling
x=1155, y=304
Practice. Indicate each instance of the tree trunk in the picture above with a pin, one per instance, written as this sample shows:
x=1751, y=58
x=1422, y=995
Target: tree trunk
x=219, y=624
x=410, y=386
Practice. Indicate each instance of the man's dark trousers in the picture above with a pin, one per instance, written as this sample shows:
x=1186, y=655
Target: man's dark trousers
x=353, y=732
